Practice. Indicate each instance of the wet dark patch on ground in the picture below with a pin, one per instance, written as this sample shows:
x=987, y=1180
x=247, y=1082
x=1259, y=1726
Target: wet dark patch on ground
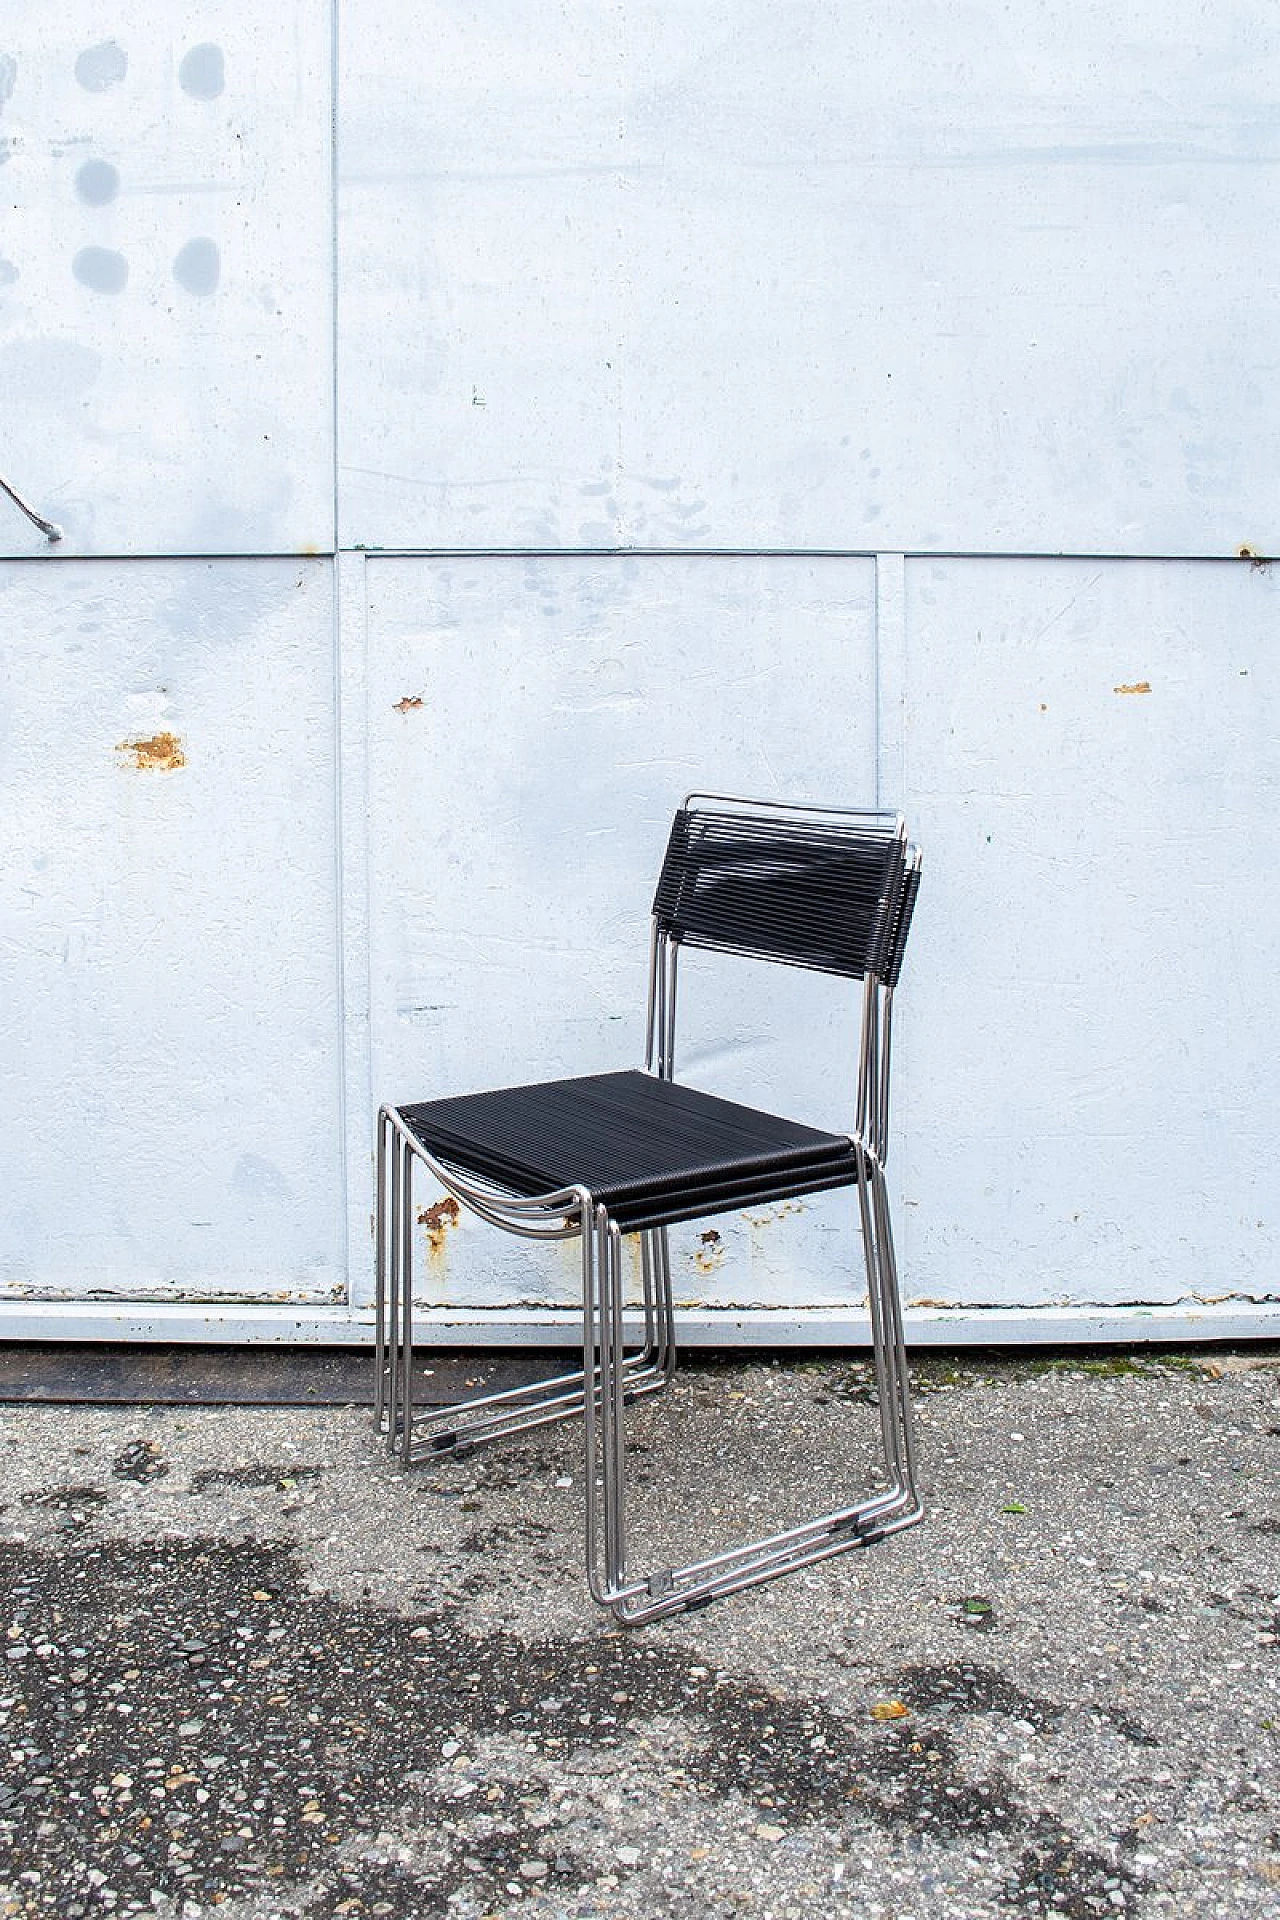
x=281, y=1478
x=1127, y=1727
x=513, y=1468
x=68, y=1499
x=907, y=1778
x=140, y=1460
x=220, y=1730
x=967, y=1688
x=506, y=1533
x=1057, y=1876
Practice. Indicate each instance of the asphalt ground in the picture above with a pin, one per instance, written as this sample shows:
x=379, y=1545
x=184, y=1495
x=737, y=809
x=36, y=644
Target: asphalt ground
x=254, y=1669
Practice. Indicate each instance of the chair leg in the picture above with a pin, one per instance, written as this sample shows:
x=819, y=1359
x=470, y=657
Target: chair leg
x=405, y=1386
x=895, y=1348
x=389, y=1225
x=671, y=1590
x=898, y=1503
x=604, y=1434
x=594, y=1478
x=610, y=1378
x=393, y=1296
x=417, y=1436
x=612, y=1403
x=381, y=1393
x=655, y=1256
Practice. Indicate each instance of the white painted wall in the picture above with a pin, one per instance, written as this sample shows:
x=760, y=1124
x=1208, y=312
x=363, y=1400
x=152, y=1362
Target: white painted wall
x=1089, y=1070
x=701, y=273
x=166, y=276
x=169, y=1075
x=530, y=721
x=797, y=400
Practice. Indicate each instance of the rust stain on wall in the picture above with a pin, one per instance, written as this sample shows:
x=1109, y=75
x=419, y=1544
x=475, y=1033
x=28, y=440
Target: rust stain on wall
x=410, y=701
x=710, y=1251
x=1136, y=686
x=162, y=753
x=437, y=1220
x=777, y=1212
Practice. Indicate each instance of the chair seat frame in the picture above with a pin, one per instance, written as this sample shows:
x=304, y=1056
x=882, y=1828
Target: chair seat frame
x=616, y=1372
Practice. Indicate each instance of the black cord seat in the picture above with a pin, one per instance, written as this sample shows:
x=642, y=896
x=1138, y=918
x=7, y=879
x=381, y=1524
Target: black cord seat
x=652, y=1151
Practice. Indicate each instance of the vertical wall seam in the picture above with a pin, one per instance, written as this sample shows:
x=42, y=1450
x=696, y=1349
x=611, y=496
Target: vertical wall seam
x=341, y=867
x=334, y=84
x=341, y=861
x=355, y=1090
x=889, y=667
x=623, y=288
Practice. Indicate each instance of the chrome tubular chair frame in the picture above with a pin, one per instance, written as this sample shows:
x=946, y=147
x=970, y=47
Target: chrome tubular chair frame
x=613, y=1373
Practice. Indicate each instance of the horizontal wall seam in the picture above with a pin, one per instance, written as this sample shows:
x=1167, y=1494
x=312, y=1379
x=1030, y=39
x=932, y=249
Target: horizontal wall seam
x=1259, y=562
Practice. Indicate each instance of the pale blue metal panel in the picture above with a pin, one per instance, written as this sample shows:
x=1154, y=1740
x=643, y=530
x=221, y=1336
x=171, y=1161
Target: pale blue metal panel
x=533, y=724
x=478, y=275
x=165, y=286
x=731, y=274
x=677, y=276
x=169, y=1047
x=1089, y=1075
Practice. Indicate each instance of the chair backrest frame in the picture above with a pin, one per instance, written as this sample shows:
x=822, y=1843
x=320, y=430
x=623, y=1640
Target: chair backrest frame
x=818, y=888
x=828, y=889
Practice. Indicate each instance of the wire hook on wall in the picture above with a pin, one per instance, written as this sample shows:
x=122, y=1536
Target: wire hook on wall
x=50, y=528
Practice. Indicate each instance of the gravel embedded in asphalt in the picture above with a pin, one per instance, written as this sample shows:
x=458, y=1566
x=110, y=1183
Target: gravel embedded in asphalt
x=252, y=1668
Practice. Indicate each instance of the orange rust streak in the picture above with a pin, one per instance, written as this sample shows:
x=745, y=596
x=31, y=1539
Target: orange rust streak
x=410, y=701
x=710, y=1252
x=162, y=753
x=437, y=1220
x=1138, y=686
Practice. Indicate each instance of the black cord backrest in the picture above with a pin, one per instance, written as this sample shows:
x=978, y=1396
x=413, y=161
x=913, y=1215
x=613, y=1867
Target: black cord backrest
x=902, y=920
x=827, y=893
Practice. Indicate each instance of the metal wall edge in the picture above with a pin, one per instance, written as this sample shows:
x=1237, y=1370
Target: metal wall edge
x=788, y=1328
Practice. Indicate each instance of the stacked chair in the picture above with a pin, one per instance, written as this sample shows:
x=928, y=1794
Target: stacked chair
x=607, y=1155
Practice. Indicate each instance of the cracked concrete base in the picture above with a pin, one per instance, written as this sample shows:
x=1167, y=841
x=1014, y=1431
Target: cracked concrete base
x=251, y=1668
